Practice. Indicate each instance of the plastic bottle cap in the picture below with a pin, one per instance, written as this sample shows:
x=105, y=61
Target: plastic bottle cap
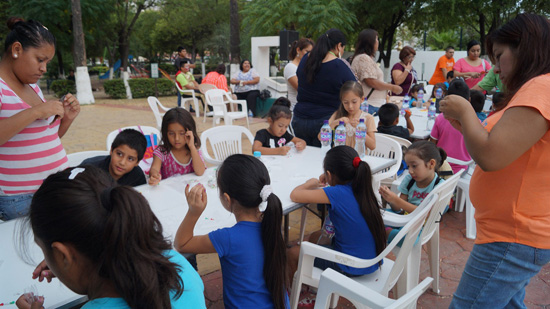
x=325, y=121
x=257, y=154
x=361, y=120
x=341, y=123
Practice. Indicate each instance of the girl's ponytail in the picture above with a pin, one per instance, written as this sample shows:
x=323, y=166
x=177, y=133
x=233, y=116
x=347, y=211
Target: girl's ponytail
x=274, y=251
x=443, y=155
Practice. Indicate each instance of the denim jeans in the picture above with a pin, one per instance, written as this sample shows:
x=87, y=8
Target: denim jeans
x=179, y=98
x=15, y=206
x=308, y=129
x=496, y=275
x=373, y=110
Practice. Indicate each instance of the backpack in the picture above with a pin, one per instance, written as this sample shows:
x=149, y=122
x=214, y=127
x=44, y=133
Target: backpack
x=412, y=181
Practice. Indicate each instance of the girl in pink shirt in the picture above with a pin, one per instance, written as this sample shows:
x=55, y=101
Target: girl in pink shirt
x=179, y=151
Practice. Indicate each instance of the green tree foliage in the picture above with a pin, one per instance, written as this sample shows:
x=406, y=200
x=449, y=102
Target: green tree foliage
x=440, y=40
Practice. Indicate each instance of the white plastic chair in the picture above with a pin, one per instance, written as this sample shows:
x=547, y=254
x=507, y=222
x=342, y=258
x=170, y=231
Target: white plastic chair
x=76, y=158
x=404, y=143
x=143, y=129
x=154, y=104
x=361, y=296
x=386, y=147
x=463, y=196
x=381, y=281
x=193, y=99
x=225, y=141
x=217, y=98
x=430, y=232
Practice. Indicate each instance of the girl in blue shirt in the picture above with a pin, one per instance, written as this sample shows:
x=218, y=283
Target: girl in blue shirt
x=252, y=252
x=103, y=241
x=353, y=209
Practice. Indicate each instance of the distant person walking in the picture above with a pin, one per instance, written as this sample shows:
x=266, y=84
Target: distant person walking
x=444, y=65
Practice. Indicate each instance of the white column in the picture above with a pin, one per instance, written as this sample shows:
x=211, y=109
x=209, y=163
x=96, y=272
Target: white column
x=125, y=77
x=84, y=92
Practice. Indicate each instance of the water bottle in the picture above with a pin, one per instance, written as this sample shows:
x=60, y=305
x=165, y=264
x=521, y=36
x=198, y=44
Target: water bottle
x=250, y=115
x=328, y=229
x=420, y=97
x=360, y=136
x=340, y=134
x=431, y=115
x=365, y=106
x=258, y=155
x=438, y=93
x=406, y=105
x=326, y=136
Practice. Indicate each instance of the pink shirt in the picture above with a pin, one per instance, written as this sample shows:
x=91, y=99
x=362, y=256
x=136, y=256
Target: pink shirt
x=31, y=155
x=171, y=166
x=463, y=66
x=451, y=140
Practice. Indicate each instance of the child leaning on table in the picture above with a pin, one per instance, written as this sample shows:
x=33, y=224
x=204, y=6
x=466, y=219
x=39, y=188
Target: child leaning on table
x=104, y=241
x=252, y=252
x=351, y=96
x=274, y=139
x=388, y=115
x=423, y=159
x=353, y=210
x=179, y=151
x=122, y=164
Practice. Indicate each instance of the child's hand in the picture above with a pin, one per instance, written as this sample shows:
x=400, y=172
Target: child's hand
x=190, y=139
x=344, y=119
x=408, y=114
x=284, y=150
x=323, y=180
x=301, y=145
x=154, y=178
x=354, y=122
x=388, y=194
x=196, y=199
x=313, y=183
x=42, y=271
x=29, y=301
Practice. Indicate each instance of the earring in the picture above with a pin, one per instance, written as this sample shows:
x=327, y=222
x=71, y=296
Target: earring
x=14, y=55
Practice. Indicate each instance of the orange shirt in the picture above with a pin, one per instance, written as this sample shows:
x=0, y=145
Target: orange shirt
x=442, y=63
x=216, y=79
x=513, y=204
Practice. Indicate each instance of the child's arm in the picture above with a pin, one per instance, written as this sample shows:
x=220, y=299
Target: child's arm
x=300, y=143
x=270, y=151
x=154, y=172
x=396, y=202
x=198, y=165
x=185, y=241
x=310, y=192
x=370, y=140
x=410, y=125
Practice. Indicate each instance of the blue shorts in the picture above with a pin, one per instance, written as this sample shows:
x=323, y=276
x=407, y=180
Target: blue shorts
x=15, y=206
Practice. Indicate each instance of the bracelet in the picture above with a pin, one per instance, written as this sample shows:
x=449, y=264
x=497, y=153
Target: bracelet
x=408, y=70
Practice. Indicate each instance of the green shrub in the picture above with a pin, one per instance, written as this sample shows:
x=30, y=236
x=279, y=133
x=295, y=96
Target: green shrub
x=63, y=86
x=115, y=88
x=98, y=70
x=168, y=67
x=141, y=88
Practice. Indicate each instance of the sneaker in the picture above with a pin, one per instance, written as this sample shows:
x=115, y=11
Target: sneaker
x=209, y=114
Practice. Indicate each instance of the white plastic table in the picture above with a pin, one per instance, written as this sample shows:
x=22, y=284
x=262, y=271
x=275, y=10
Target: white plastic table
x=419, y=119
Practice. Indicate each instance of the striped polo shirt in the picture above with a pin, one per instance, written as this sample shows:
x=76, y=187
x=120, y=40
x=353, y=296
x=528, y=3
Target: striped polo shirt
x=32, y=154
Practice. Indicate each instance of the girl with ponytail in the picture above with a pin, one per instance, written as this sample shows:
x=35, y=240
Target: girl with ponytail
x=353, y=209
x=252, y=252
x=103, y=241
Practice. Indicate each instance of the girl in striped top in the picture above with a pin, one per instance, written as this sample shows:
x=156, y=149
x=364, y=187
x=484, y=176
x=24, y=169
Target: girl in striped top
x=30, y=146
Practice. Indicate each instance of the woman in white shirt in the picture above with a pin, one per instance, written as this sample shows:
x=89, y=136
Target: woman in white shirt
x=298, y=49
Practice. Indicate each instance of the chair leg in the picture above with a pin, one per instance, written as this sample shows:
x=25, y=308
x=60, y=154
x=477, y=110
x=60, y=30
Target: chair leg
x=295, y=293
x=247, y=124
x=334, y=300
x=409, y=278
x=302, y=225
x=460, y=199
x=470, y=221
x=196, y=102
x=433, y=258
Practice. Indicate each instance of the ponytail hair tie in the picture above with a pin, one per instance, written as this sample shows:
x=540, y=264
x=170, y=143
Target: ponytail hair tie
x=356, y=162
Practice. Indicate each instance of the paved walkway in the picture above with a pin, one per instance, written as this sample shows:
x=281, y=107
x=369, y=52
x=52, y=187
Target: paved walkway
x=95, y=121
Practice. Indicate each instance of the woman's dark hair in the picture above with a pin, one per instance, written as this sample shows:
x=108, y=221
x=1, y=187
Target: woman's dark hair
x=365, y=43
x=528, y=37
x=426, y=151
x=242, y=62
x=471, y=44
x=29, y=33
x=325, y=43
x=243, y=177
x=280, y=109
x=348, y=86
x=405, y=52
x=220, y=69
x=301, y=44
x=339, y=162
x=112, y=226
x=184, y=118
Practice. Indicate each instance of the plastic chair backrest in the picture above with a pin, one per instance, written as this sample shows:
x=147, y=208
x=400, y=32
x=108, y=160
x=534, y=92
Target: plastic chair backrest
x=154, y=105
x=216, y=98
x=203, y=88
x=403, y=142
x=358, y=294
x=76, y=158
x=225, y=141
x=387, y=148
x=146, y=130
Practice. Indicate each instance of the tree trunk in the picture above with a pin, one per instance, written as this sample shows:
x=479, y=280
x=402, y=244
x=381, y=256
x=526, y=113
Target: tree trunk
x=60, y=69
x=82, y=78
x=482, y=32
x=123, y=49
x=235, y=40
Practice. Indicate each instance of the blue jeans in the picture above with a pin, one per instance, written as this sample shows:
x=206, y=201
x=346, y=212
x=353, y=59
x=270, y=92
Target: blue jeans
x=496, y=275
x=308, y=129
x=373, y=110
x=15, y=206
x=179, y=98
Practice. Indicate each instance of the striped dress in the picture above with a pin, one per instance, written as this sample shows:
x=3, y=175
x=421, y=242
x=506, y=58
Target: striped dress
x=32, y=154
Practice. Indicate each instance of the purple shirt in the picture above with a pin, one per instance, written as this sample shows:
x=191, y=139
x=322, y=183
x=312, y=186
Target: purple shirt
x=406, y=85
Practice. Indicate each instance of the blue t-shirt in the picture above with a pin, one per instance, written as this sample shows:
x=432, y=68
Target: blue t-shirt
x=416, y=195
x=352, y=235
x=241, y=253
x=322, y=98
x=193, y=289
